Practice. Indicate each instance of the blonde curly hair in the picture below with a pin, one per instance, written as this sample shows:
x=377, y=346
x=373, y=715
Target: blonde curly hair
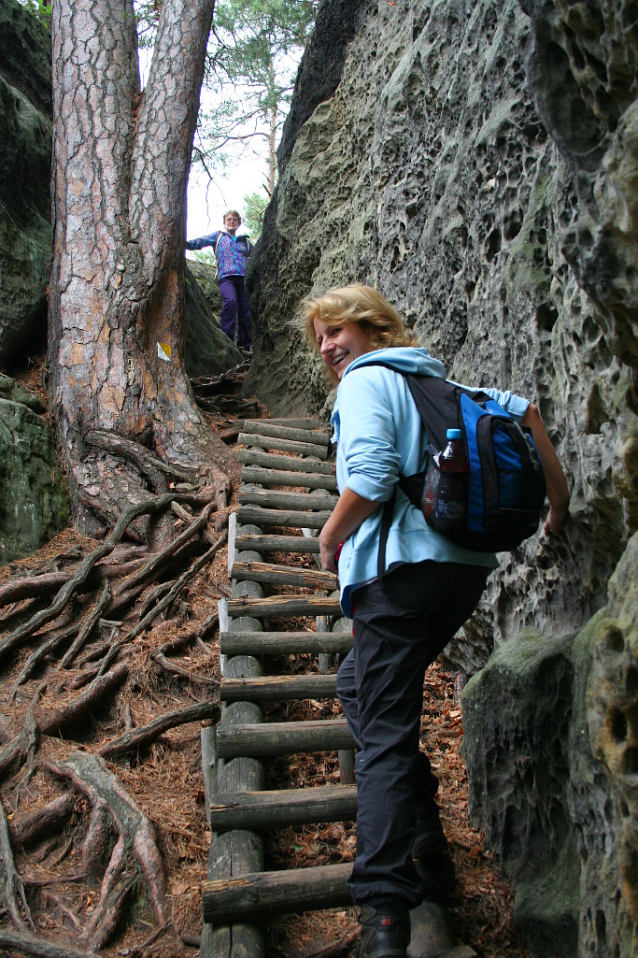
x=361, y=305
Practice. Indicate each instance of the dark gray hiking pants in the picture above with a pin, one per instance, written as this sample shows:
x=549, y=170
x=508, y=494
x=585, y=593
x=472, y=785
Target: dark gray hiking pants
x=399, y=629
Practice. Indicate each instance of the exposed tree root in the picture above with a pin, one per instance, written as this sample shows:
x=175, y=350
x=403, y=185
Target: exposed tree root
x=51, y=723
x=18, y=749
x=156, y=471
x=138, y=737
x=33, y=827
x=30, y=586
x=30, y=945
x=135, y=851
x=181, y=673
x=151, y=507
x=57, y=639
x=13, y=888
x=87, y=628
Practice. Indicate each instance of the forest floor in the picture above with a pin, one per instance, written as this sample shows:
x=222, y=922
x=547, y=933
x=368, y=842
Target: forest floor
x=62, y=867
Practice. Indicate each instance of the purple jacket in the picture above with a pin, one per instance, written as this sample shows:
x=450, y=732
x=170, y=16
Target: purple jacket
x=231, y=252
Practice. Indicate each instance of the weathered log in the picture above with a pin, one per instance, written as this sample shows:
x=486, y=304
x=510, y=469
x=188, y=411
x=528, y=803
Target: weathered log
x=138, y=737
x=286, y=500
x=285, y=445
x=51, y=723
x=307, y=422
x=278, y=517
x=283, y=575
x=277, y=544
x=28, y=586
x=291, y=605
x=150, y=507
x=275, y=431
x=275, y=477
x=26, y=944
x=284, y=643
x=283, y=738
x=269, y=461
x=269, y=688
x=293, y=806
x=32, y=827
x=276, y=893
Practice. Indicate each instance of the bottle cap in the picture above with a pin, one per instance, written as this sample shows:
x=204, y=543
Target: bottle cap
x=453, y=434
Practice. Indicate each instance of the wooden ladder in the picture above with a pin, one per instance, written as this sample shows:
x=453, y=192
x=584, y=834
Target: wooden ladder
x=239, y=894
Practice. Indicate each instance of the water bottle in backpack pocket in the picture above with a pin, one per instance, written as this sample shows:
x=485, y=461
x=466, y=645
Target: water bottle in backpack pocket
x=445, y=490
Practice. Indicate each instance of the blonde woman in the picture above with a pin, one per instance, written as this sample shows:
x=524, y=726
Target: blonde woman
x=403, y=620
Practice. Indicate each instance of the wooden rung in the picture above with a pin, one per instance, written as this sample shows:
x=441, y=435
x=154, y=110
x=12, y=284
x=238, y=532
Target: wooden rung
x=284, y=643
x=255, y=515
x=283, y=575
x=292, y=806
x=282, y=738
x=277, y=544
x=292, y=605
x=285, y=687
x=275, y=893
x=306, y=422
x=260, y=427
x=270, y=461
x=285, y=445
x=276, y=477
x=286, y=500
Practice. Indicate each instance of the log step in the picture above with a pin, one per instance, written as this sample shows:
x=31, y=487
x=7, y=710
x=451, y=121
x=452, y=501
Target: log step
x=276, y=477
x=278, y=544
x=285, y=445
x=261, y=427
x=277, y=517
x=284, y=687
x=292, y=605
x=286, y=500
x=292, y=806
x=285, y=643
x=270, y=461
x=307, y=422
x=283, y=575
x=275, y=893
x=282, y=738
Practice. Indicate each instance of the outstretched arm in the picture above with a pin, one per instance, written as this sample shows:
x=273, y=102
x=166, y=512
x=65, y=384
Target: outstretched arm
x=557, y=490
x=202, y=241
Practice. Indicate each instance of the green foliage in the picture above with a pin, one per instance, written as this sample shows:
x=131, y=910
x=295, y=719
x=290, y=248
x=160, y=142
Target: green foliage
x=254, y=208
x=37, y=7
x=253, y=55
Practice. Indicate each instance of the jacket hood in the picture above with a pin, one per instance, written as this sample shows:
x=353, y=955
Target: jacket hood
x=407, y=359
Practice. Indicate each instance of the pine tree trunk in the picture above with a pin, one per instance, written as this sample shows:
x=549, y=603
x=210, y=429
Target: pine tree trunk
x=272, y=151
x=120, y=169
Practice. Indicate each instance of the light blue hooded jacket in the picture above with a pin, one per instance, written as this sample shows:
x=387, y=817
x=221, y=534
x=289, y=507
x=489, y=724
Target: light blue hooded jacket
x=379, y=433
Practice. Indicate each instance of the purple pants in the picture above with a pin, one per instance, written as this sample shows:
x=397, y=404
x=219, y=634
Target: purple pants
x=234, y=299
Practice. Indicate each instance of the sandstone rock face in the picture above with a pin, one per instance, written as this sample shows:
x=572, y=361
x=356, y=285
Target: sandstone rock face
x=430, y=175
x=25, y=172
x=32, y=494
x=207, y=351
x=477, y=163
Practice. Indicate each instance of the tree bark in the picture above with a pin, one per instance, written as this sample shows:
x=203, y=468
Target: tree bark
x=120, y=169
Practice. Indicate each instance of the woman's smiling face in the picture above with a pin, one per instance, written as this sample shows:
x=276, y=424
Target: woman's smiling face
x=341, y=345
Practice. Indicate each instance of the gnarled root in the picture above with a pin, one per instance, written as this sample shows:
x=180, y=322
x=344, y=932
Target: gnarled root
x=135, y=850
x=13, y=888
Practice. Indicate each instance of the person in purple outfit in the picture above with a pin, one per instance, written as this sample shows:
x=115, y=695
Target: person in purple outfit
x=232, y=254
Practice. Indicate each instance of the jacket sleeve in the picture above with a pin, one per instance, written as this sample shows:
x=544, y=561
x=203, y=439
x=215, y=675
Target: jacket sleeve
x=367, y=438
x=515, y=405
x=203, y=241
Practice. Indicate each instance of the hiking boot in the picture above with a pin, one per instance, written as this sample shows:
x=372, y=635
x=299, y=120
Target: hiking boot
x=432, y=856
x=385, y=931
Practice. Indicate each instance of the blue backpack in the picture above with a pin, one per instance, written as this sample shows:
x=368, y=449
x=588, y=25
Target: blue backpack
x=506, y=488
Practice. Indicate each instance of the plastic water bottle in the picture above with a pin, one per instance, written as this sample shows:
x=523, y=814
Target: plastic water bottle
x=446, y=487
